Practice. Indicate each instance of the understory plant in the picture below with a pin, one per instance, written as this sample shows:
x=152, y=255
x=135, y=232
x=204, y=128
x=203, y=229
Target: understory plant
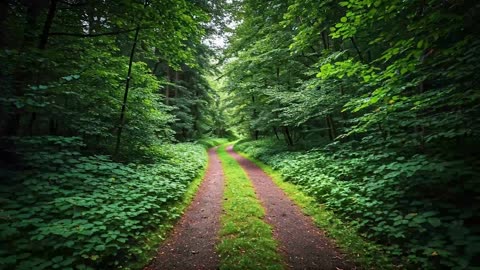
x=61, y=209
x=396, y=200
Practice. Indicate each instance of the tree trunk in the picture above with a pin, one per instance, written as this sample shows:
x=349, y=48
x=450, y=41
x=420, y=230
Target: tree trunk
x=3, y=17
x=177, y=80
x=328, y=128
x=287, y=136
x=48, y=24
x=354, y=43
x=125, y=96
x=167, y=88
x=276, y=133
x=332, y=125
x=325, y=40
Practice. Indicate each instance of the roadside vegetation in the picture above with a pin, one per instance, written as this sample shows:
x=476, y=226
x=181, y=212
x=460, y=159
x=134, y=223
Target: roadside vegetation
x=65, y=209
x=359, y=250
x=384, y=202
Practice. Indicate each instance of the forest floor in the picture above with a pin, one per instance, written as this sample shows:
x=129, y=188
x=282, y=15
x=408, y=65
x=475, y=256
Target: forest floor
x=302, y=245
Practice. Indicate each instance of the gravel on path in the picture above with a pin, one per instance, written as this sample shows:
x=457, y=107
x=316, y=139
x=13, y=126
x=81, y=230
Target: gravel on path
x=192, y=243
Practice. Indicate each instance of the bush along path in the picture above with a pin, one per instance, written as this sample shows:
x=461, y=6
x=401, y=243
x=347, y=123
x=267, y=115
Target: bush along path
x=192, y=243
x=301, y=243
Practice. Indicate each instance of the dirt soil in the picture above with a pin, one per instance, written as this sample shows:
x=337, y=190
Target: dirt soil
x=192, y=243
x=302, y=244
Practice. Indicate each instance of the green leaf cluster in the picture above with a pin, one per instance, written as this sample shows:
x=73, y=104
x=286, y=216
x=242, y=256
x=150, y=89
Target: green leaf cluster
x=399, y=202
x=67, y=210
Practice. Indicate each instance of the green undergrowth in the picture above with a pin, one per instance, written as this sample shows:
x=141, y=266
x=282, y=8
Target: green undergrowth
x=209, y=142
x=62, y=209
x=420, y=209
x=363, y=253
x=153, y=240
x=246, y=241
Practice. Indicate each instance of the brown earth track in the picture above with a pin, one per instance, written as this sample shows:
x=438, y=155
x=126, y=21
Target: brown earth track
x=302, y=244
x=192, y=243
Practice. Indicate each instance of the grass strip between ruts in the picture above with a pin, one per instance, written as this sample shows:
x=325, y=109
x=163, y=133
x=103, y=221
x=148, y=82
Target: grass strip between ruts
x=246, y=241
x=364, y=253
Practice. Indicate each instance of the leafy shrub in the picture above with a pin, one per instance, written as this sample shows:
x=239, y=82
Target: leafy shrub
x=421, y=208
x=66, y=210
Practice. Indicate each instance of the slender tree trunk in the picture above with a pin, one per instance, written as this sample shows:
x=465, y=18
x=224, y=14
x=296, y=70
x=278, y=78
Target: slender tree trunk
x=33, y=117
x=288, y=137
x=354, y=43
x=276, y=133
x=329, y=129
x=167, y=88
x=48, y=24
x=42, y=45
x=155, y=67
x=177, y=80
x=325, y=40
x=125, y=96
x=254, y=115
x=21, y=77
x=332, y=126
x=53, y=126
x=4, y=8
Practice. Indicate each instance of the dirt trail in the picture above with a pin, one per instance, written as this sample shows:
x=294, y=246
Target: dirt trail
x=192, y=243
x=302, y=244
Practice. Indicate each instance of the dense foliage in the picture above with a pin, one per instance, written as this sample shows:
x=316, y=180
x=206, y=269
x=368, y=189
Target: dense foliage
x=383, y=98
x=399, y=202
x=64, y=209
x=380, y=98
x=92, y=96
x=127, y=71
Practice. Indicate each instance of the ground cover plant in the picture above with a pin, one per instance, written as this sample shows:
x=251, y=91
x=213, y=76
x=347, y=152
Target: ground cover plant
x=389, y=199
x=67, y=210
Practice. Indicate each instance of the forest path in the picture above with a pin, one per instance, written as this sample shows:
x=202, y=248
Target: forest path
x=192, y=243
x=302, y=244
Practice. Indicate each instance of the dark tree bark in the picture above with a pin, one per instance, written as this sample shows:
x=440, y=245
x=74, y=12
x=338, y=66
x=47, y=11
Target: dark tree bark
x=328, y=128
x=4, y=8
x=276, y=133
x=34, y=8
x=48, y=24
x=332, y=126
x=354, y=43
x=125, y=96
x=325, y=40
x=288, y=137
x=177, y=81
x=167, y=87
